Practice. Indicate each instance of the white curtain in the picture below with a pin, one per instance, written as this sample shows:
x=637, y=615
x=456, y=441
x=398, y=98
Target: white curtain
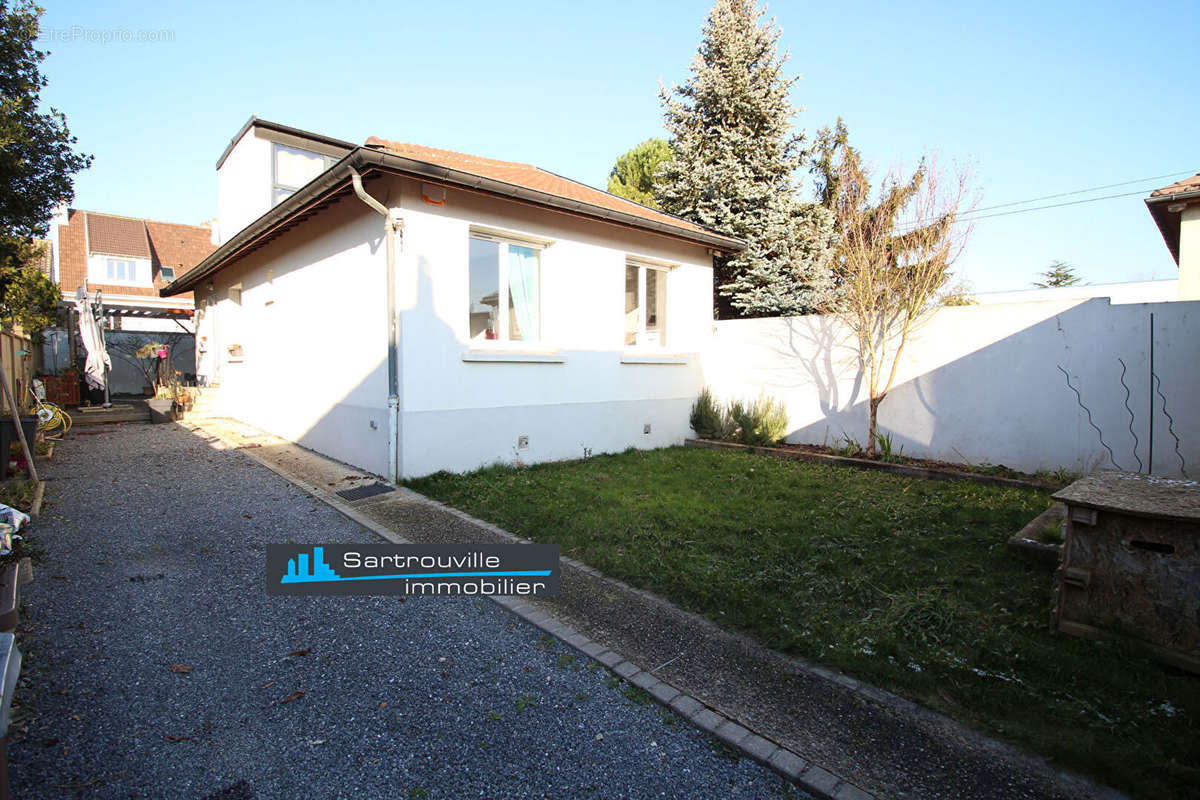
x=523, y=290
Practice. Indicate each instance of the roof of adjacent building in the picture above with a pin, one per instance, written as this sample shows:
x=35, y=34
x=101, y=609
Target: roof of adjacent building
x=1166, y=207
x=117, y=236
x=45, y=258
x=529, y=177
x=1191, y=184
x=164, y=244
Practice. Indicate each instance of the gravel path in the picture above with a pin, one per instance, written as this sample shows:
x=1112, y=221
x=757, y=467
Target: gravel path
x=154, y=546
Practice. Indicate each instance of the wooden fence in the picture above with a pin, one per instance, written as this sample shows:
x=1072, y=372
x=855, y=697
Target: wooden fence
x=17, y=356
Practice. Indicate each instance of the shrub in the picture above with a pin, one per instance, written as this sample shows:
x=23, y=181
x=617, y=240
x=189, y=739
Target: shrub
x=761, y=422
x=710, y=419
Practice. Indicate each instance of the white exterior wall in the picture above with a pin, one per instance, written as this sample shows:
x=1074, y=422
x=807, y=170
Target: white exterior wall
x=1189, y=253
x=312, y=326
x=243, y=185
x=981, y=383
x=314, y=367
x=460, y=415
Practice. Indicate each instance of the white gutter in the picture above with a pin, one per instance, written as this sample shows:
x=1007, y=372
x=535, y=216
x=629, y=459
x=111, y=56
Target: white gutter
x=392, y=225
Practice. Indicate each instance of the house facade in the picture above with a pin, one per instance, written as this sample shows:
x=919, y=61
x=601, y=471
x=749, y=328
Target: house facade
x=128, y=260
x=125, y=261
x=515, y=315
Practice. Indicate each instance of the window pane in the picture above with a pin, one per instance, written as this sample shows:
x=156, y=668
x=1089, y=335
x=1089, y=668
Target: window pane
x=131, y=271
x=631, y=305
x=656, y=306
x=524, y=314
x=112, y=270
x=168, y=273
x=295, y=168
x=485, y=289
x=282, y=194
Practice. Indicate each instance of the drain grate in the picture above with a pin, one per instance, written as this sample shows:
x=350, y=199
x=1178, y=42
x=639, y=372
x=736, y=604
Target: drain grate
x=363, y=492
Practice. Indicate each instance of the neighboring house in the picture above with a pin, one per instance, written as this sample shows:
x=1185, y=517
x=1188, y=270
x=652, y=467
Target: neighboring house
x=530, y=317
x=1176, y=211
x=127, y=260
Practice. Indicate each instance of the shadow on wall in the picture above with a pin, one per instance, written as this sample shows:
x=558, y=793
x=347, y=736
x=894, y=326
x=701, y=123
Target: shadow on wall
x=1033, y=386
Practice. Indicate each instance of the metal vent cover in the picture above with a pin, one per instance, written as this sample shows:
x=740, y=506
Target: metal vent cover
x=363, y=492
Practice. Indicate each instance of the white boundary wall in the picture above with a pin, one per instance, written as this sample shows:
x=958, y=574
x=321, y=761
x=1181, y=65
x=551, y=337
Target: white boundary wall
x=982, y=384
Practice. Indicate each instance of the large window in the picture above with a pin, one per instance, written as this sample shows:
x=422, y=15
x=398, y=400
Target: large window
x=505, y=286
x=291, y=168
x=645, y=304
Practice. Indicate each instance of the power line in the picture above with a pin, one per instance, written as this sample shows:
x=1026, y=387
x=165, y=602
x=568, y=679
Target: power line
x=967, y=217
x=1084, y=191
x=1055, y=205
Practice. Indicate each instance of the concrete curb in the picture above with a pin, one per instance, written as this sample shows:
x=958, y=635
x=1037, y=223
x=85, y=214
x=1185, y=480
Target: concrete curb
x=809, y=777
x=788, y=454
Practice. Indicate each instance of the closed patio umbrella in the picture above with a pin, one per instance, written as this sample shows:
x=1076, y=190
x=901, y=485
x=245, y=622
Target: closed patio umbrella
x=95, y=370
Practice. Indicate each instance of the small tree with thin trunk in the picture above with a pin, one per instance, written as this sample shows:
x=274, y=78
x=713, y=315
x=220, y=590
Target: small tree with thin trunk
x=896, y=249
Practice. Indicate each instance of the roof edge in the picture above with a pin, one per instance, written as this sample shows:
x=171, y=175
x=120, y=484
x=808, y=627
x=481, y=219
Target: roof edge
x=363, y=157
x=255, y=122
x=1190, y=194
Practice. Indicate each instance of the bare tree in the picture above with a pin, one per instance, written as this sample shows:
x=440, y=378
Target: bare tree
x=897, y=246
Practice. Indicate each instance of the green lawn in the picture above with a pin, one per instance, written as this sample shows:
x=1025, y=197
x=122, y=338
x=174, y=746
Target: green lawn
x=905, y=583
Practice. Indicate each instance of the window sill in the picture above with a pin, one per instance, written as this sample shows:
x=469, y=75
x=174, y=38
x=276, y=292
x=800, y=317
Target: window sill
x=513, y=357
x=634, y=357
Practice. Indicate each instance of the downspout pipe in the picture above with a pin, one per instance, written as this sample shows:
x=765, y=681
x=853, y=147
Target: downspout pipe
x=392, y=225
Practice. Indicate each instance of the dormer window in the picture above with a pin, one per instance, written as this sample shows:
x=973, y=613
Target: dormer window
x=292, y=167
x=119, y=271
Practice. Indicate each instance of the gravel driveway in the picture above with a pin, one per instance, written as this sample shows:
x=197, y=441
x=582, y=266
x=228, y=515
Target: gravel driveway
x=154, y=545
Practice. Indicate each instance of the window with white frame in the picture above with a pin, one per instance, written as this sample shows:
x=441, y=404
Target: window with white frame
x=505, y=289
x=645, y=304
x=292, y=167
x=119, y=270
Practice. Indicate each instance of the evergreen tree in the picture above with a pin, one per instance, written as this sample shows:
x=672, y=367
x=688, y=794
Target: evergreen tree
x=1059, y=273
x=735, y=158
x=37, y=161
x=632, y=177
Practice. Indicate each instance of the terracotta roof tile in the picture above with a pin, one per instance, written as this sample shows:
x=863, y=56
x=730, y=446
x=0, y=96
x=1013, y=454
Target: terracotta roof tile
x=529, y=177
x=117, y=236
x=45, y=258
x=179, y=246
x=1191, y=184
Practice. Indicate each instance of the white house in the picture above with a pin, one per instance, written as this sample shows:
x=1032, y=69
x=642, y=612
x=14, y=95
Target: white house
x=407, y=309
x=1176, y=211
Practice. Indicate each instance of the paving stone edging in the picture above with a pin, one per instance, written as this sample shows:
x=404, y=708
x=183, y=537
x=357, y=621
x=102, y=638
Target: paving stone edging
x=790, y=454
x=807, y=776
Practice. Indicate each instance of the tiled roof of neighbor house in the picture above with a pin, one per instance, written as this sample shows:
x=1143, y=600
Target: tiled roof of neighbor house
x=1191, y=184
x=529, y=177
x=117, y=236
x=46, y=258
x=163, y=243
x=179, y=246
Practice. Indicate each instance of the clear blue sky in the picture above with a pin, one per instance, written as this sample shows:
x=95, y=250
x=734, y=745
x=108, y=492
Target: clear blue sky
x=1039, y=98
